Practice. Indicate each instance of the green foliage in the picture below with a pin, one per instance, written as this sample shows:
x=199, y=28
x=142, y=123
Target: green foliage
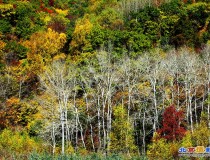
x=28, y=21
x=198, y=12
x=175, y=7
x=34, y=127
x=138, y=41
x=99, y=35
x=23, y=27
x=91, y=156
x=152, y=29
x=5, y=26
x=35, y=33
x=17, y=48
x=109, y=18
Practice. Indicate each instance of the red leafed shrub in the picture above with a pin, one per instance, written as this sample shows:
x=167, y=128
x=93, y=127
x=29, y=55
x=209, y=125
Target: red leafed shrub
x=172, y=121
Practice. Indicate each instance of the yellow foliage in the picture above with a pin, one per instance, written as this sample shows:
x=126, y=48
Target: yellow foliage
x=48, y=42
x=144, y=88
x=159, y=149
x=121, y=137
x=20, y=70
x=61, y=56
x=201, y=134
x=62, y=12
x=70, y=149
x=82, y=29
x=5, y=8
x=45, y=17
x=187, y=140
x=43, y=46
x=2, y=44
x=94, y=4
x=18, y=143
x=174, y=147
x=83, y=151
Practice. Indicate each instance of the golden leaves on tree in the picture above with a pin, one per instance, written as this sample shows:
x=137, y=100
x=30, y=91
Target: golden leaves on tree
x=43, y=47
x=82, y=29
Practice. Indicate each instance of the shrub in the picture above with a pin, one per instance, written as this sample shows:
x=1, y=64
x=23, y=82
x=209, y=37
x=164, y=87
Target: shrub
x=18, y=144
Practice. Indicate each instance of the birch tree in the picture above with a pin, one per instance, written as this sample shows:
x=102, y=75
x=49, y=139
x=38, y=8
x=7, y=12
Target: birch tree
x=106, y=82
x=58, y=81
x=206, y=64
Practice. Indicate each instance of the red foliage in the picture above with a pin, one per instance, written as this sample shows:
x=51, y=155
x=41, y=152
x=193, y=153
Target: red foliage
x=45, y=9
x=51, y=3
x=172, y=120
x=14, y=6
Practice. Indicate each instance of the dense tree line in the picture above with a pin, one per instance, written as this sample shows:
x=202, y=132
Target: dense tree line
x=104, y=76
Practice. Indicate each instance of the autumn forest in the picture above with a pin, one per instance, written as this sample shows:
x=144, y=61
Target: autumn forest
x=104, y=79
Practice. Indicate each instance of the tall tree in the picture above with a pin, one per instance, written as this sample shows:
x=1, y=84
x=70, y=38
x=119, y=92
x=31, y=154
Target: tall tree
x=122, y=139
x=172, y=120
x=58, y=81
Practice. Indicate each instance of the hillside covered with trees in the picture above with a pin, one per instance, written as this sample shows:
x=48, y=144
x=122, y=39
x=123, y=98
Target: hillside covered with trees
x=104, y=79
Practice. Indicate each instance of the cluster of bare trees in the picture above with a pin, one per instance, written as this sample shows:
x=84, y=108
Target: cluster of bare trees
x=79, y=102
x=128, y=6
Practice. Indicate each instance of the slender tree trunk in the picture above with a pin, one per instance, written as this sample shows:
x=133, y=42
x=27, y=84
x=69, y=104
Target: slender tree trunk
x=63, y=133
x=91, y=127
x=155, y=106
x=178, y=89
x=144, y=135
x=208, y=94
x=190, y=108
x=195, y=106
x=81, y=131
x=208, y=97
x=91, y=136
x=104, y=128
x=99, y=124
x=53, y=138
x=186, y=102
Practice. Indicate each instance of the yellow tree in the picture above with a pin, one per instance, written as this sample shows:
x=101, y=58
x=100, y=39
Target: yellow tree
x=122, y=139
x=159, y=149
x=59, y=83
x=16, y=113
x=43, y=47
x=2, y=45
x=79, y=41
x=200, y=136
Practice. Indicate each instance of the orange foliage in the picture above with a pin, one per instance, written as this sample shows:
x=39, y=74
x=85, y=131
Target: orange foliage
x=12, y=101
x=15, y=113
